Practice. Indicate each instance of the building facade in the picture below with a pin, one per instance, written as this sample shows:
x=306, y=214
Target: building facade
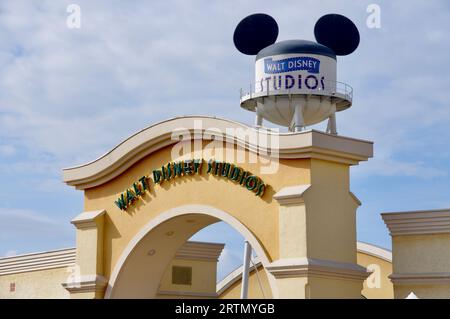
x=291, y=201
x=191, y=274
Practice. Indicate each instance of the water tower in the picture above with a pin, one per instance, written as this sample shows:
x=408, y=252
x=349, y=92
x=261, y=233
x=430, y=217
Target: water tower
x=295, y=80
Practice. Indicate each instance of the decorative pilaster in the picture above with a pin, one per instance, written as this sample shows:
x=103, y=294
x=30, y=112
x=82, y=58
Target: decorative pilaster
x=292, y=221
x=309, y=266
x=307, y=278
x=420, y=254
x=88, y=281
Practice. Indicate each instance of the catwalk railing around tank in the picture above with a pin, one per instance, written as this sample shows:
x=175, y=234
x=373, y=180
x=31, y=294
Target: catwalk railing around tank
x=288, y=86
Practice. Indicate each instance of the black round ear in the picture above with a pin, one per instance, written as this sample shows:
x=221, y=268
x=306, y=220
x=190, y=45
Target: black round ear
x=254, y=33
x=338, y=33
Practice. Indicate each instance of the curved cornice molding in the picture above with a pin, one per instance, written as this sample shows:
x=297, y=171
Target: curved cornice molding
x=374, y=251
x=307, y=144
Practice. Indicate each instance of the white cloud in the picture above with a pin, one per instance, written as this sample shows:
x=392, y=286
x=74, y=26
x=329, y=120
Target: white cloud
x=77, y=92
x=29, y=167
x=25, y=215
x=392, y=167
x=229, y=260
x=27, y=224
x=73, y=94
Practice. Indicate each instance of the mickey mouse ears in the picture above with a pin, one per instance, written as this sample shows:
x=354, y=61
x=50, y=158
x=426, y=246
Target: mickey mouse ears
x=254, y=33
x=338, y=33
x=260, y=30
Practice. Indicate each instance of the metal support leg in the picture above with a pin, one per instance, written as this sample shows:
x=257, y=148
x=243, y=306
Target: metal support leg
x=331, y=127
x=258, y=119
x=246, y=269
x=299, y=123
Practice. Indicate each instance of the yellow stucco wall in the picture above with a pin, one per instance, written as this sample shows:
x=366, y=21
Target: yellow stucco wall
x=47, y=283
x=329, y=214
x=321, y=289
x=371, y=291
x=378, y=285
x=421, y=253
x=318, y=211
x=423, y=291
x=326, y=288
x=203, y=278
x=254, y=287
x=331, y=221
x=260, y=215
x=35, y=284
x=324, y=222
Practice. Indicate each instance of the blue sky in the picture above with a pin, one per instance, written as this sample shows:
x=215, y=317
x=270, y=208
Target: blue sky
x=69, y=95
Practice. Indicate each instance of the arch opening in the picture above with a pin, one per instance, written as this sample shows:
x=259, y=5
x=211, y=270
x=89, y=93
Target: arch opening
x=142, y=264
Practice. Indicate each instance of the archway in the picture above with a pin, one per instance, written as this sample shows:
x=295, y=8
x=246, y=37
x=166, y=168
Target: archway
x=303, y=229
x=138, y=272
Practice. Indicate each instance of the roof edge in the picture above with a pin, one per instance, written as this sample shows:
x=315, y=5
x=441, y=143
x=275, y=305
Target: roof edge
x=153, y=138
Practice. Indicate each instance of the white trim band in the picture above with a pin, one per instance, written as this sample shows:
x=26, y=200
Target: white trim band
x=37, y=261
x=421, y=279
x=87, y=220
x=195, y=250
x=291, y=195
x=88, y=283
x=302, y=267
